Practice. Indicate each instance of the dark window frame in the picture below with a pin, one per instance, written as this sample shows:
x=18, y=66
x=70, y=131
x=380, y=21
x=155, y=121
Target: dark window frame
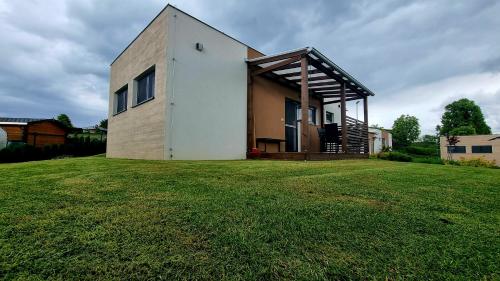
x=122, y=90
x=311, y=113
x=454, y=149
x=150, y=79
x=481, y=149
x=331, y=116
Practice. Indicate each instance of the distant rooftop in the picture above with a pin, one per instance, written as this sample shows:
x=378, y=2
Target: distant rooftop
x=18, y=120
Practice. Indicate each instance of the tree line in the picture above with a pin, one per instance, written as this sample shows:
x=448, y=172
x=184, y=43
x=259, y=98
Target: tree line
x=461, y=117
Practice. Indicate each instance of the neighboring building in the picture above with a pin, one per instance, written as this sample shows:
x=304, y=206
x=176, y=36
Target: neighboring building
x=184, y=90
x=36, y=132
x=470, y=147
x=379, y=138
x=3, y=138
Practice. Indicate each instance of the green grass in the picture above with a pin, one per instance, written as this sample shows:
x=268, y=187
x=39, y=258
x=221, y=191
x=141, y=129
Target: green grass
x=96, y=218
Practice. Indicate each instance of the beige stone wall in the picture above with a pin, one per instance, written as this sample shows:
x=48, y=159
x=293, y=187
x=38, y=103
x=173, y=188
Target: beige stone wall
x=468, y=142
x=139, y=132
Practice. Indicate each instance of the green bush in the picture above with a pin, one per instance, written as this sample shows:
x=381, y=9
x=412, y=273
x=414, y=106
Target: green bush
x=74, y=147
x=395, y=156
x=421, y=150
x=473, y=162
x=428, y=160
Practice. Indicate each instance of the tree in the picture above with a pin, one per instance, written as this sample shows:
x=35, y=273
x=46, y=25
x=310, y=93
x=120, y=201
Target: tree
x=463, y=117
x=405, y=130
x=431, y=139
x=452, y=142
x=63, y=118
x=103, y=123
x=463, y=131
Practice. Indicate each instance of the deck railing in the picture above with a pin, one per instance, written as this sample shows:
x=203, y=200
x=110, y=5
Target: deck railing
x=357, y=136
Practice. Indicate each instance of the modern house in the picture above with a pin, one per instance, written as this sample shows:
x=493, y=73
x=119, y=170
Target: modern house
x=185, y=90
x=470, y=147
x=379, y=138
x=36, y=132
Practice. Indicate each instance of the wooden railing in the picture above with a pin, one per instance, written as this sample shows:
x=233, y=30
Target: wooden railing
x=357, y=136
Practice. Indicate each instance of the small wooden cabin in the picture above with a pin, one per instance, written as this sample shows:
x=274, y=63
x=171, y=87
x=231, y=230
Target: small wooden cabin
x=36, y=132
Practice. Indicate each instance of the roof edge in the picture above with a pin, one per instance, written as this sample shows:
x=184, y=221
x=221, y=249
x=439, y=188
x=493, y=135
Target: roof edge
x=187, y=14
x=342, y=71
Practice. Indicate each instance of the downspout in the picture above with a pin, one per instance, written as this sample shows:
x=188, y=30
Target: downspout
x=171, y=98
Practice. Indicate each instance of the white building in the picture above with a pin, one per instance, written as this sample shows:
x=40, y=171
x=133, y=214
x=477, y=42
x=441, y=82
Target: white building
x=378, y=139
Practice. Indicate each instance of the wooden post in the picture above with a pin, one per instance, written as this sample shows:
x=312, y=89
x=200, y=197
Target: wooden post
x=343, y=117
x=322, y=102
x=250, y=118
x=304, y=105
x=365, y=109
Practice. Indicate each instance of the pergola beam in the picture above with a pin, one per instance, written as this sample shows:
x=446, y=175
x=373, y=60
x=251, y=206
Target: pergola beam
x=321, y=88
x=328, y=83
x=340, y=101
x=295, y=74
x=275, y=66
x=278, y=57
x=333, y=75
x=315, y=78
x=338, y=96
x=290, y=66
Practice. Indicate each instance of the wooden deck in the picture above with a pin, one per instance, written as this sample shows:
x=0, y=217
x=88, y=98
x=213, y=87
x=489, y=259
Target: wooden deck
x=312, y=156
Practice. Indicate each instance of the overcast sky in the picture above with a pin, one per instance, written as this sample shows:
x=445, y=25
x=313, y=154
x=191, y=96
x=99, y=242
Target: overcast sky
x=416, y=56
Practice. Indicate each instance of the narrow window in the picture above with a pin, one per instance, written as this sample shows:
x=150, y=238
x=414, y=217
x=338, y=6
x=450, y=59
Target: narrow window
x=312, y=115
x=329, y=117
x=145, y=87
x=456, y=149
x=482, y=149
x=121, y=100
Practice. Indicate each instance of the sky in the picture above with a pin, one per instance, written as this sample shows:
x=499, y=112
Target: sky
x=416, y=56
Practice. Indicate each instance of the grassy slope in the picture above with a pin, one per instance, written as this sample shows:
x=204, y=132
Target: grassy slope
x=92, y=218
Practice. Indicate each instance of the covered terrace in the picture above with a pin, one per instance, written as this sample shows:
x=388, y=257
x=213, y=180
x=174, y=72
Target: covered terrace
x=314, y=75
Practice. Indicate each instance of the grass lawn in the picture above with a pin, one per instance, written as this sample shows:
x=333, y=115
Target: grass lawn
x=97, y=218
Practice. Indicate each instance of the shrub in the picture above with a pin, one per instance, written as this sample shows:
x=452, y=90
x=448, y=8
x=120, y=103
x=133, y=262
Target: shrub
x=386, y=148
x=429, y=160
x=473, y=162
x=419, y=150
x=395, y=156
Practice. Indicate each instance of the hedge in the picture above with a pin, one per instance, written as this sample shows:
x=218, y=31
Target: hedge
x=74, y=147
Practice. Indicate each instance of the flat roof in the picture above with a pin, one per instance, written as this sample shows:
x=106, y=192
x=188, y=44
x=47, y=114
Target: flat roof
x=179, y=10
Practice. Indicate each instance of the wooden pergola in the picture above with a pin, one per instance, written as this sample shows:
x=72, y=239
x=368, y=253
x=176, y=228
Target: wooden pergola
x=313, y=74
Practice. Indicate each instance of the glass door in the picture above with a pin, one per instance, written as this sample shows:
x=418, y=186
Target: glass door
x=291, y=126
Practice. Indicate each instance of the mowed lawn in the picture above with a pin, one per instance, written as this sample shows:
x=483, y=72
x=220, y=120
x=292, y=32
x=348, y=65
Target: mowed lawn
x=96, y=218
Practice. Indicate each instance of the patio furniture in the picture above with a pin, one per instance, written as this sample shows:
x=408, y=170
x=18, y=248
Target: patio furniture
x=329, y=138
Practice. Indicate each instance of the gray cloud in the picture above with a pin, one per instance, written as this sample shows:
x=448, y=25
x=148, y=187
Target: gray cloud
x=55, y=55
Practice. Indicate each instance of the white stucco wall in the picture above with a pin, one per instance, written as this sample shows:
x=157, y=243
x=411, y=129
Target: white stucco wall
x=377, y=140
x=335, y=109
x=206, y=92
x=381, y=138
